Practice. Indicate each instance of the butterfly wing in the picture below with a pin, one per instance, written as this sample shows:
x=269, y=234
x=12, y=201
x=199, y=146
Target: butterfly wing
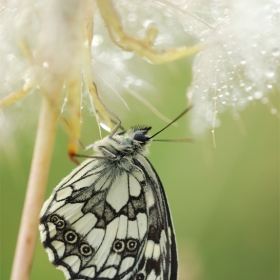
x=110, y=221
x=160, y=260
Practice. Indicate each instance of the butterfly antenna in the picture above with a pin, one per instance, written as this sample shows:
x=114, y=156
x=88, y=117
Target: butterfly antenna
x=182, y=114
x=178, y=140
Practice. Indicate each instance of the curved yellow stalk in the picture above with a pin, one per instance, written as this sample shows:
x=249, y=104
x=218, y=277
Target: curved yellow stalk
x=142, y=46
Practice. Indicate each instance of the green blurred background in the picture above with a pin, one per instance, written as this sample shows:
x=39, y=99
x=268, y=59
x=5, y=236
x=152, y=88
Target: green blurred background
x=224, y=200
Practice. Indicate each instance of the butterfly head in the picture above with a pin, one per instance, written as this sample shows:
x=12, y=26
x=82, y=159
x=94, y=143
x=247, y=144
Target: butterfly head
x=139, y=134
x=124, y=143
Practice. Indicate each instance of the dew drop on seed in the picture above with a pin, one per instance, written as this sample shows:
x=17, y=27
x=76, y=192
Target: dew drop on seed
x=269, y=74
x=45, y=64
x=276, y=52
x=258, y=95
x=97, y=40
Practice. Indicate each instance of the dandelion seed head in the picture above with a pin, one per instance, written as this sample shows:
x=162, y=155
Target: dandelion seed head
x=242, y=49
x=240, y=62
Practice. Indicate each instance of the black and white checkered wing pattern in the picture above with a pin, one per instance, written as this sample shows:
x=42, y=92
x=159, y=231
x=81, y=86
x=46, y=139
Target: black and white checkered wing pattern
x=109, y=219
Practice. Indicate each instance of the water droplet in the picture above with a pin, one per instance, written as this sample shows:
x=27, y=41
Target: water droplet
x=250, y=97
x=275, y=51
x=258, y=95
x=264, y=100
x=269, y=86
x=148, y=22
x=273, y=111
x=243, y=62
x=45, y=64
x=270, y=73
x=105, y=127
x=97, y=40
x=248, y=88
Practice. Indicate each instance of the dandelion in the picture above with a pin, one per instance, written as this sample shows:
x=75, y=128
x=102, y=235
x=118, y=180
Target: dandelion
x=241, y=61
x=61, y=48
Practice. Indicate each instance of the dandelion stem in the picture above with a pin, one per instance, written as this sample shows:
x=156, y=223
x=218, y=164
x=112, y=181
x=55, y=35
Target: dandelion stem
x=35, y=192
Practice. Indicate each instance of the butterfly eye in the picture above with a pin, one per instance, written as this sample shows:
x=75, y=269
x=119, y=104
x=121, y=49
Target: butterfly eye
x=140, y=137
x=85, y=250
x=131, y=245
x=118, y=246
x=140, y=276
x=71, y=237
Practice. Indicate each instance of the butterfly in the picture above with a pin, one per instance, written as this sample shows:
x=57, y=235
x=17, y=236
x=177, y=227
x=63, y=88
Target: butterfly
x=109, y=218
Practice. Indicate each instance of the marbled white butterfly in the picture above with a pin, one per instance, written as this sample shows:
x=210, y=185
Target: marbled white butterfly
x=109, y=219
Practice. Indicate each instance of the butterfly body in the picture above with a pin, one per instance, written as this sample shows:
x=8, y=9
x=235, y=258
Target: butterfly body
x=109, y=218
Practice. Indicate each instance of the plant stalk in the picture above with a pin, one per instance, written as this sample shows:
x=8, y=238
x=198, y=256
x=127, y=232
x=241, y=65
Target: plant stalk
x=35, y=192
